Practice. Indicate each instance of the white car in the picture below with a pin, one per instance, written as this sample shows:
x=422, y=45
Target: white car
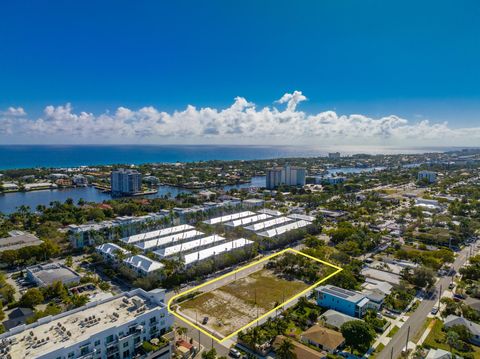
x=234, y=353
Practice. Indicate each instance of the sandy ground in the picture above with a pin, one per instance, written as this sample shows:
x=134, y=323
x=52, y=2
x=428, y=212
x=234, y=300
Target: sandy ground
x=233, y=306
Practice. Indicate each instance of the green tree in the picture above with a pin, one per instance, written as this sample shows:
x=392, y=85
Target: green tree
x=69, y=261
x=31, y=298
x=211, y=354
x=286, y=350
x=420, y=277
x=358, y=335
x=452, y=338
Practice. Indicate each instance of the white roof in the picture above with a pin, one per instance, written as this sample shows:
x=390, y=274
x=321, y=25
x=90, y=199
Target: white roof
x=158, y=233
x=221, y=248
x=40, y=339
x=247, y=220
x=270, y=223
x=229, y=217
x=185, y=247
x=163, y=241
x=283, y=229
x=301, y=216
x=143, y=263
x=272, y=212
x=110, y=249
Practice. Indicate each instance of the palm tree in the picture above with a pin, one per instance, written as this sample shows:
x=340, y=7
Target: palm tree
x=452, y=338
x=285, y=350
x=182, y=331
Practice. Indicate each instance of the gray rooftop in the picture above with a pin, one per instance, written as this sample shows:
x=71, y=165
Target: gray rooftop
x=19, y=240
x=472, y=327
x=47, y=274
x=336, y=319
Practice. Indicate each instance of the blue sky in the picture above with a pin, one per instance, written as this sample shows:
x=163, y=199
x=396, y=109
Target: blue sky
x=413, y=59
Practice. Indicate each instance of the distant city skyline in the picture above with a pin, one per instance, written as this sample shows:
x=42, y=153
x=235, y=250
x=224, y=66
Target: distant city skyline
x=329, y=72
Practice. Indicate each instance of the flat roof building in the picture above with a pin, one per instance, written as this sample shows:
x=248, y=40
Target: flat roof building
x=125, y=182
x=111, y=328
x=286, y=175
x=17, y=240
x=44, y=275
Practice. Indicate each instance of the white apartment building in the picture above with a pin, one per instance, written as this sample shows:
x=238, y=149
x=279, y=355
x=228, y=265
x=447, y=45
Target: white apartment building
x=112, y=328
x=125, y=182
x=287, y=175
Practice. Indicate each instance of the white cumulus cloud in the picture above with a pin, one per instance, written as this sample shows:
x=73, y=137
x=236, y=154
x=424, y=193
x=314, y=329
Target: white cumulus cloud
x=242, y=122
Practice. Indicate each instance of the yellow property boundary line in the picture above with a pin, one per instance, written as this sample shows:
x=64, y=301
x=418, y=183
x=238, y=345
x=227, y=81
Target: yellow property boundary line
x=338, y=270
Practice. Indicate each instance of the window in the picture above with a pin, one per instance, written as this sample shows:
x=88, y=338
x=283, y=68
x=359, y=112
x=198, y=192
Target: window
x=153, y=320
x=71, y=354
x=97, y=343
x=120, y=334
x=126, y=354
x=110, y=339
x=136, y=340
x=84, y=350
x=125, y=344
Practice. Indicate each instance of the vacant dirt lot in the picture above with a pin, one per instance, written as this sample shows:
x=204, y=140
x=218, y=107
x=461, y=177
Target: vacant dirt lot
x=238, y=303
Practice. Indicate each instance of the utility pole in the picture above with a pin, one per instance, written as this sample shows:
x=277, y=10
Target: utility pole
x=196, y=322
x=406, y=343
x=439, y=296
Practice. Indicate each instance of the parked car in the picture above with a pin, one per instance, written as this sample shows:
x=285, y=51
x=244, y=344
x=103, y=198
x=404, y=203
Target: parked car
x=434, y=310
x=451, y=285
x=205, y=320
x=234, y=353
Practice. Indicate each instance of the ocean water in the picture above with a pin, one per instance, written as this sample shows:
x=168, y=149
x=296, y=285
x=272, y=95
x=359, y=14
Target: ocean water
x=27, y=156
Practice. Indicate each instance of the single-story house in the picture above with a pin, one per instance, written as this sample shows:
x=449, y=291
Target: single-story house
x=300, y=350
x=323, y=338
x=473, y=303
x=17, y=317
x=438, y=354
x=472, y=327
x=333, y=319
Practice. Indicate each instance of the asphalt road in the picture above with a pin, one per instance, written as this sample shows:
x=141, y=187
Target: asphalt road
x=416, y=320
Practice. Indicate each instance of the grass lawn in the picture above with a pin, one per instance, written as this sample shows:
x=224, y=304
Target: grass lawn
x=436, y=339
x=265, y=287
x=377, y=351
x=393, y=331
x=418, y=335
